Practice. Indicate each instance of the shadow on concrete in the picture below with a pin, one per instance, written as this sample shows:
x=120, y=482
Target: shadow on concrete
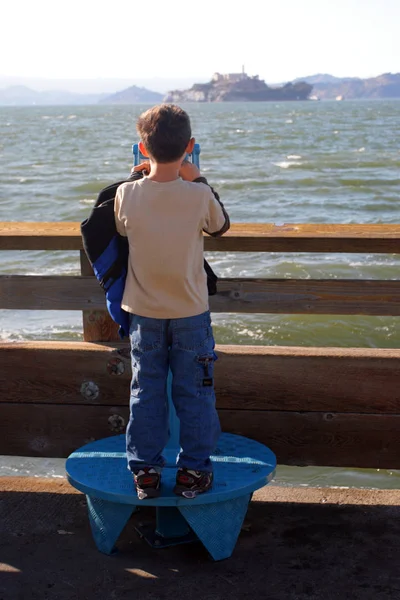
x=285, y=551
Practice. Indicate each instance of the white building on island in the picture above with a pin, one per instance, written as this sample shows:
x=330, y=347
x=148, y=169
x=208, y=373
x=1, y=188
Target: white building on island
x=231, y=77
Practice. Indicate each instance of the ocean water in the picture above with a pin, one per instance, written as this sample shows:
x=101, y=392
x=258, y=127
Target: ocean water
x=315, y=162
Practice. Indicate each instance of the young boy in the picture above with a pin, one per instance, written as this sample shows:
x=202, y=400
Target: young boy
x=163, y=215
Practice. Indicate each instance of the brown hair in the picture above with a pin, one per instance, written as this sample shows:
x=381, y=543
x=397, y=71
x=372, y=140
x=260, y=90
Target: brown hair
x=165, y=132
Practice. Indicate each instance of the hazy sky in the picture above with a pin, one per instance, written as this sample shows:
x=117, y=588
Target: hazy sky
x=279, y=40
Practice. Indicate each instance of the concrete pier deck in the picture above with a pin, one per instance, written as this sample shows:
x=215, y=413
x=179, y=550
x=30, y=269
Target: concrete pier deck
x=297, y=543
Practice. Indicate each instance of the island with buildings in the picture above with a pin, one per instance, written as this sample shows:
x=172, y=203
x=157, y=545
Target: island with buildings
x=240, y=87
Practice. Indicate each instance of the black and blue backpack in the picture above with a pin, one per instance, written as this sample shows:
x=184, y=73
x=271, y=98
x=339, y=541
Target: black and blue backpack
x=107, y=252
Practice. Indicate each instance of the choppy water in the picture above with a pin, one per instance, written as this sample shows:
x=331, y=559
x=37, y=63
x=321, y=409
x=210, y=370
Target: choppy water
x=316, y=162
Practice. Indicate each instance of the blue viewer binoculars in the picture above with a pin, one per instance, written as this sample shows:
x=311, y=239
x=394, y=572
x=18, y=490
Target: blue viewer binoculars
x=194, y=157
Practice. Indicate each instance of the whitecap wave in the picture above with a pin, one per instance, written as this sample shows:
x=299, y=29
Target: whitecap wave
x=257, y=334
x=68, y=332
x=286, y=164
x=56, y=270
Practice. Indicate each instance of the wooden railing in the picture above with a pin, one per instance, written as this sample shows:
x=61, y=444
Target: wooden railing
x=325, y=406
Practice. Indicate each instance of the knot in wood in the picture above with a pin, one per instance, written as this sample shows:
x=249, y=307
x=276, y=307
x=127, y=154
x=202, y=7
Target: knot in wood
x=89, y=390
x=116, y=423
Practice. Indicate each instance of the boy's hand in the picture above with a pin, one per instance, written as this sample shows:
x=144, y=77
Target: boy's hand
x=189, y=171
x=145, y=166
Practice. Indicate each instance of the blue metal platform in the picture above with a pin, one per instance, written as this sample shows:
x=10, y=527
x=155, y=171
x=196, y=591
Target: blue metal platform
x=241, y=466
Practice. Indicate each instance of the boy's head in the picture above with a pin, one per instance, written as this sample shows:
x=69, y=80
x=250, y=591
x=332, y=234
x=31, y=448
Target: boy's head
x=165, y=133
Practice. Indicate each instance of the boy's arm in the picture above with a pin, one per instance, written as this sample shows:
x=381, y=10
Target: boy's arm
x=119, y=221
x=217, y=222
x=217, y=219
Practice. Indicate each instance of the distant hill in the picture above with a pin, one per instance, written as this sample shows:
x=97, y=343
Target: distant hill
x=327, y=87
x=325, y=78
x=133, y=95
x=20, y=95
x=99, y=85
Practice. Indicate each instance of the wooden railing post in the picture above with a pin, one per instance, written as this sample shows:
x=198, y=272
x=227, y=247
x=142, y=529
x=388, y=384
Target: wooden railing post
x=97, y=324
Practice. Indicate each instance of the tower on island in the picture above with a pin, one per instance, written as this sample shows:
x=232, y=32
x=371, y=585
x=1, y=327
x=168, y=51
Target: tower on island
x=231, y=77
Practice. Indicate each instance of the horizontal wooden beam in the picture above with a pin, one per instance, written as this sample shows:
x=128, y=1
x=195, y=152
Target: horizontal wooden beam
x=40, y=235
x=343, y=380
x=337, y=380
x=242, y=237
x=307, y=296
x=283, y=296
x=348, y=440
x=64, y=373
x=321, y=439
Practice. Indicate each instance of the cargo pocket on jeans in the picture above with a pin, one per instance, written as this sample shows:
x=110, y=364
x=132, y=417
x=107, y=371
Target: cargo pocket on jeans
x=205, y=372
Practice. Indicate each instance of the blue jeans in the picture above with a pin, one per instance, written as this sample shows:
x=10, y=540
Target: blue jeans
x=186, y=346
